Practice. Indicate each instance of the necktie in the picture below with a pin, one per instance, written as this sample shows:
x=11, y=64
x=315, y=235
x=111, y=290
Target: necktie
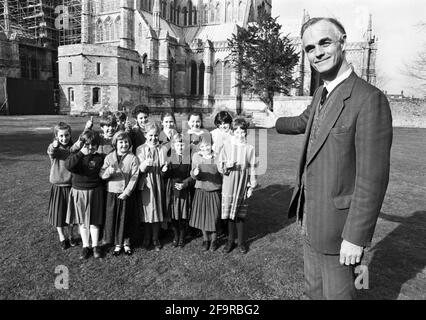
x=323, y=96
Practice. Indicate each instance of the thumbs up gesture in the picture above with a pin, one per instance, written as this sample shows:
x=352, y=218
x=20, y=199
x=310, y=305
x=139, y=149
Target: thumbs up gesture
x=165, y=168
x=89, y=123
x=197, y=170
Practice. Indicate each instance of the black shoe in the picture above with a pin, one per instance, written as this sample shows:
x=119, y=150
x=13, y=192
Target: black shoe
x=243, y=248
x=65, y=244
x=145, y=244
x=157, y=245
x=181, y=243
x=73, y=242
x=228, y=247
x=97, y=252
x=214, y=245
x=128, y=251
x=117, y=251
x=85, y=253
x=206, y=245
x=175, y=242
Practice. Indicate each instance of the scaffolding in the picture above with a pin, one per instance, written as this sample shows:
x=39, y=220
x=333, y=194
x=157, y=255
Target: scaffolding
x=30, y=19
x=70, y=24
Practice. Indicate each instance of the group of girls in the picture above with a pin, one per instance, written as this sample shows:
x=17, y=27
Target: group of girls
x=111, y=182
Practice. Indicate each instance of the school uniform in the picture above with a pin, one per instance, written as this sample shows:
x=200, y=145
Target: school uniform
x=150, y=190
x=165, y=140
x=60, y=178
x=219, y=138
x=236, y=180
x=178, y=202
x=86, y=202
x=121, y=219
x=206, y=205
x=193, y=139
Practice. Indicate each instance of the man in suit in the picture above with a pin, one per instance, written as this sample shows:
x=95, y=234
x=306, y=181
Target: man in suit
x=344, y=168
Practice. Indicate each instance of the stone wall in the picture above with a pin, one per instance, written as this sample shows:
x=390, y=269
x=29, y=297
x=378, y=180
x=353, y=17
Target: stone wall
x=408, y=113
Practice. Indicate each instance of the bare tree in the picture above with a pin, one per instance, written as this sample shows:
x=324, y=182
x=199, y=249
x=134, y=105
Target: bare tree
x=417, y=67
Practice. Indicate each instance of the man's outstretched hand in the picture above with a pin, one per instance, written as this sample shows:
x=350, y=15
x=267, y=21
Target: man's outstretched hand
x=266, y=119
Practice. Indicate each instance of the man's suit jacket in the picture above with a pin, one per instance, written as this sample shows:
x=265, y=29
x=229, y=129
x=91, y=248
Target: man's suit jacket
x=347, y=170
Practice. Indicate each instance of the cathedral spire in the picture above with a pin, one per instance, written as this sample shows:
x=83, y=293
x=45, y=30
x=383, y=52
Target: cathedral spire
x=156, y=10
x=370, y=29
x=305, y=17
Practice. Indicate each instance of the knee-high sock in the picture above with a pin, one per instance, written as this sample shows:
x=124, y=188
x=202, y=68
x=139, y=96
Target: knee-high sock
x=182, y=228
x=231, y=228
x=241, y=231
x=94, y=233
x=213, y=236
x=147, y=232
x=175, y=228
x=84, y=232
x=61, y=233
x=155, y=230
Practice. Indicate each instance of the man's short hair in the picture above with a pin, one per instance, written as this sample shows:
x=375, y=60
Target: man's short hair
x=313, y=21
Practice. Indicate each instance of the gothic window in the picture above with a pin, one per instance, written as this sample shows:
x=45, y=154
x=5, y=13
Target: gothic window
x=205, y=14
x=194, y=15
x=113, y=33
x=172, y=12
x=228, y=12
x=185, y=16
x=69, y=68
x=217, y=15
x=172, y=75
x=189, y=13
x=218, y=84
x=96, y=95
x=164, y=9
x=131, y=72
x=99, y=31
x=117, y=28
x=98, y=68
x=107, y=26
x=212, y=11
x=227, y=79
x=201, y=79
x=193, y=78
x=150, y=5
x=178, y=15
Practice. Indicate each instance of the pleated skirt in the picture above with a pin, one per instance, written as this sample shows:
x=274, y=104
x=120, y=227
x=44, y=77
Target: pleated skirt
x=206, y=208
x=86, y=207
x=58, y=205
x=121, y=220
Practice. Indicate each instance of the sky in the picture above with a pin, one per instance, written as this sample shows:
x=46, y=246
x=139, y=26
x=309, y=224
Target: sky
x=395, y=24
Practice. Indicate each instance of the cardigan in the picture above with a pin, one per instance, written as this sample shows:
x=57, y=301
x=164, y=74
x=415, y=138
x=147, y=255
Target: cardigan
x=59, y=175
x=125, y=175
x=85, y=170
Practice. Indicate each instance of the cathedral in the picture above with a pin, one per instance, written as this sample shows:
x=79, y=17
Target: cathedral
x=167, y=54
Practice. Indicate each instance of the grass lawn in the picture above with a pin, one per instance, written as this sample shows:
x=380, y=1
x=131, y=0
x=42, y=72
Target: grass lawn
x=272, y=269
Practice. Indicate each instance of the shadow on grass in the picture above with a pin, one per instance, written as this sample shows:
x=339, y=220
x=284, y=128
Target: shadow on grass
x=399, y=257
x=26, y=144
x=268, y=209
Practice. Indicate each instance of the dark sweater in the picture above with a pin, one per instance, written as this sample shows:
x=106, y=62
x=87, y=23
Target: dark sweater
x=85, y=170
